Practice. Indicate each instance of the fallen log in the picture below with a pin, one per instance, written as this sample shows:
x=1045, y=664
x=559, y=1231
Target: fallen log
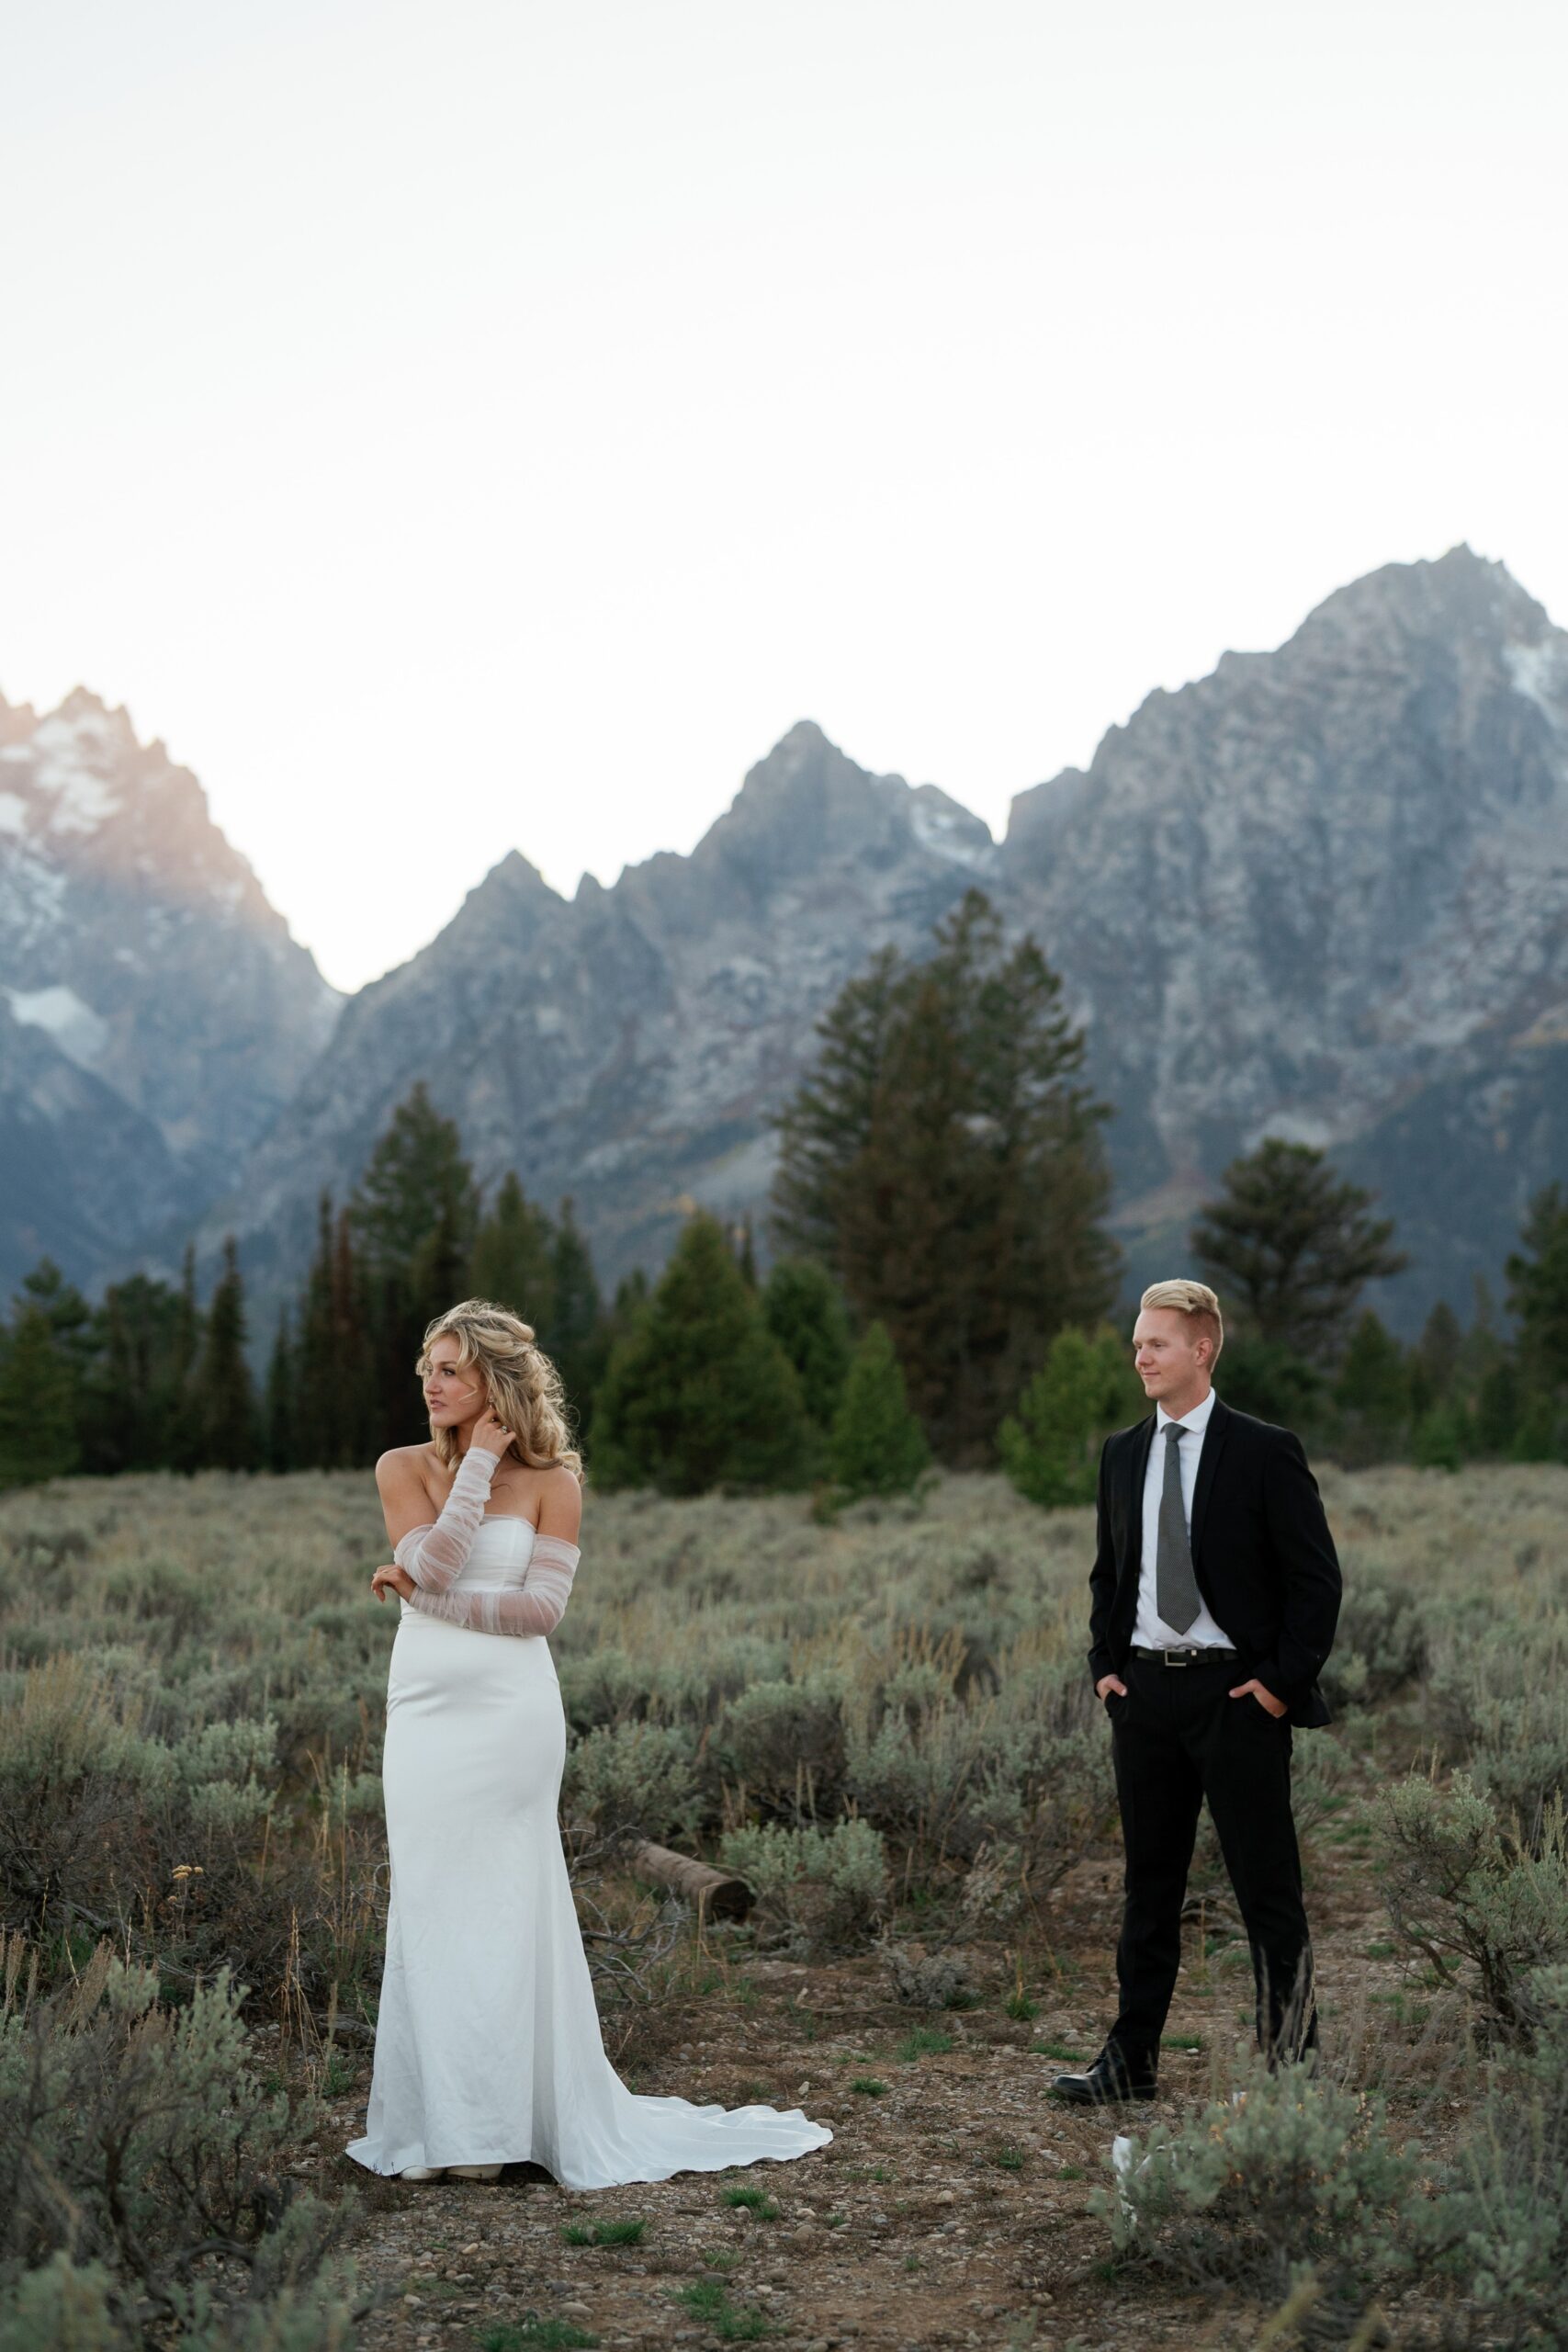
x=719, y=1895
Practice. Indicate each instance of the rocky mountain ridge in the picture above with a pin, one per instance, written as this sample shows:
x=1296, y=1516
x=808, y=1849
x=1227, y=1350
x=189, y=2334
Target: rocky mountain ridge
x=1322, y=892
x=154, y=1013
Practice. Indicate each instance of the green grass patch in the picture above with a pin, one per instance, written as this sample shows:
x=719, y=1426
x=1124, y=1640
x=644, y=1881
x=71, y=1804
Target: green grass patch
x=1019, y=2005
x=605, y=2233
x=1383, y=1951
x=753, y=2201
x=732, y=2323
x=868, y=2087
x=1007, y=2159
x=1181, y=2041
x=1072, y=2172
x=1060, y=2050
x=533, y=2335
x=926, y=2041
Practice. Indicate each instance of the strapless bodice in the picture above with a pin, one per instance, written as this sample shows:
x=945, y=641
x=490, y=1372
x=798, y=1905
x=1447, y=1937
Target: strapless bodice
x=498, y=1557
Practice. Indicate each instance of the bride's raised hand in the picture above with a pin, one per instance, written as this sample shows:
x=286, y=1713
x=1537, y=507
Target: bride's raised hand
x=490, y=1435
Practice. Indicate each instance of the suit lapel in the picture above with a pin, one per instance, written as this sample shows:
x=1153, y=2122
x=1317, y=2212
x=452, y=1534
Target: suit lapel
x=1138, y=1459
x=1208, y=1463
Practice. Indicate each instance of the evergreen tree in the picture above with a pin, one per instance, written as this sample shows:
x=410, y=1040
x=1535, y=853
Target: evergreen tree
x=1085, y=1388
x=67, y=1319
x=1290, y=1246
x=943, y=1161
x=802, y=1309
x=746, y=1252
x=1538, y=1291
x=184, y=1425
x=1372, y=1391
x=39, y=1400
x=414, y=1216
x=876, y=1445
x=135, y=1391
x=1436, y=1358
x=514, y=1259
x=699, y=1394
x=575, y=1339
x=282, y=1400
x=338, y=1382
x=225, y=1399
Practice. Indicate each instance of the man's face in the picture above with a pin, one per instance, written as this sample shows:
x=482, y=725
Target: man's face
x=1170, y=1358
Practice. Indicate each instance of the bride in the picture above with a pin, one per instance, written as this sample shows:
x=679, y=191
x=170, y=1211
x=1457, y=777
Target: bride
x=488, y=2049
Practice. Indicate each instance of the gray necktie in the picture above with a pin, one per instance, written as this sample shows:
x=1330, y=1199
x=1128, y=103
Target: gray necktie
x=1177, y=1597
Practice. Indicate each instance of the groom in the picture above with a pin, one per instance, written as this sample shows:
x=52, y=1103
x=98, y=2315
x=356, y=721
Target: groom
x=1214, y=1592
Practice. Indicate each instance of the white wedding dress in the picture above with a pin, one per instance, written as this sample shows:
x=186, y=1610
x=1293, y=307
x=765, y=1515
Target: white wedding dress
x=488, y=2047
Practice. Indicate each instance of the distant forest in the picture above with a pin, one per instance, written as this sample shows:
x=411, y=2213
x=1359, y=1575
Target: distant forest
x=940, y=1288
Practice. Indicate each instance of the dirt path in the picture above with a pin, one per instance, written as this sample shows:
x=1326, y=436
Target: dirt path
x=950, y=2209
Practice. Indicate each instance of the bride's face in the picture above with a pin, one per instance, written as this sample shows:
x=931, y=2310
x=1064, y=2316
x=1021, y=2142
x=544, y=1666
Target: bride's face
x=454, y=1392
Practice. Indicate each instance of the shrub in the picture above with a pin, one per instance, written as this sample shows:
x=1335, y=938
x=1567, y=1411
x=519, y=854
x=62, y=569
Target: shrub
x=1291, y=2175
x=1462, y=1889
x=784, y=1743
x=636, y=1779
x=1501, y=2223
x=818, y=1890
x=924, y=1980
x=143, y=2191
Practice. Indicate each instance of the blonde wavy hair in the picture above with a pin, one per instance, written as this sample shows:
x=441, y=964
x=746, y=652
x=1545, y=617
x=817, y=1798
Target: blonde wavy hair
x=521, y=1385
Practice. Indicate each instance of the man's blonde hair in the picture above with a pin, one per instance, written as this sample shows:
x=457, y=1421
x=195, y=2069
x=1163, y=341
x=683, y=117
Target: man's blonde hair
x=1194, y=1299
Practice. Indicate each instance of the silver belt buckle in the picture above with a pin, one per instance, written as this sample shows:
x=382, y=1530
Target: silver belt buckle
x=1179, y=1657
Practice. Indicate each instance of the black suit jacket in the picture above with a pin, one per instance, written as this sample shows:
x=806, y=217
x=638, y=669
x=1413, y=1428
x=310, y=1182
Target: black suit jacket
x=1264, y=1557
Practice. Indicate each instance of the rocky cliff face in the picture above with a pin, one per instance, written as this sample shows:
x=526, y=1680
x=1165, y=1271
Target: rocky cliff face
x=1318, y=890
x=1323, y=892
x=154, y=1013
x=627, y=1047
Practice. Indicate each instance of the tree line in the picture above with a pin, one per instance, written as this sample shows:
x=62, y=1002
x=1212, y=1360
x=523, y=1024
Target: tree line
x=942, y=1280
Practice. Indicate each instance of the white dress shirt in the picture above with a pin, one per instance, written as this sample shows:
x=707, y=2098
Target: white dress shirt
x=1150, y=1630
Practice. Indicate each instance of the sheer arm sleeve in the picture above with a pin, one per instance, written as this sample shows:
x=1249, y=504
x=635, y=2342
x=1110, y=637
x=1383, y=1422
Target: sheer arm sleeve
x=534, y=1606
x=433, y=1554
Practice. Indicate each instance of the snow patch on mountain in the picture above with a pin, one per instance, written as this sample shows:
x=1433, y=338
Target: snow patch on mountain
x=75, y=1028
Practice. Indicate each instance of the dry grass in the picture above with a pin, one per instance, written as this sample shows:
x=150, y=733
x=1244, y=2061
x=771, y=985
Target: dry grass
x=192, y=1682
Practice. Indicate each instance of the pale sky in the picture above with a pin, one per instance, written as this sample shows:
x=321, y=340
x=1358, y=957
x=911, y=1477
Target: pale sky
x=462, y=426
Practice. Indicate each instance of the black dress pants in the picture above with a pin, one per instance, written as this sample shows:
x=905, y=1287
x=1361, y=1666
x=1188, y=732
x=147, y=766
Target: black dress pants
x=1177, y=1738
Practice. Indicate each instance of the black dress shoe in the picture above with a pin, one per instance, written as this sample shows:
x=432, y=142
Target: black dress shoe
x=1112, y=2080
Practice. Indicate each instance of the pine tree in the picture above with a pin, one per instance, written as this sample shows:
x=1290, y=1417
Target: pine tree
x=184, y=1430
x=1538, y=1299
x=514, y=1259
x=805, y=1313
x=1290, y=1246
x=224, y=1396
x=135, y=1389
x=1538, y=1290
x=1372, y=1391
x=39, y=1400
x=413, y=1218
x=575, y=1339
x=876, y=1445
x=338, y=1381
x=1436, y=1358
x=943, y=1160
x=1085, y=1388
x=282, y=1399
x=746, y=1253
x=699, y=1394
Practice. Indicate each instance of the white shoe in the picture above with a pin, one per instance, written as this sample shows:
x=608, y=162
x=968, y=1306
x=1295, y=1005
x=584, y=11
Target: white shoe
x=422, y=2171
x=474, y=2171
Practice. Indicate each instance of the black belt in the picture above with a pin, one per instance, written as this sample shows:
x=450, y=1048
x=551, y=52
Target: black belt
x=1201, y=1655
